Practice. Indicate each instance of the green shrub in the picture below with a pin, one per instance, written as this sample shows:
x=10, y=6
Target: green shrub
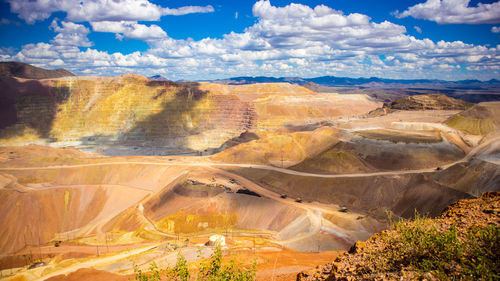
x=152, y=275
x=180, y=272
x=449, y=255
x=484, y=257
x=214, y=270
x=211, y=270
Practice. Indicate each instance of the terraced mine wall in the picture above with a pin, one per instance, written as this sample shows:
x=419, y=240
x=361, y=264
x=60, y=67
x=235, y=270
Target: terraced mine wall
x=132, y=115
x=128, y=110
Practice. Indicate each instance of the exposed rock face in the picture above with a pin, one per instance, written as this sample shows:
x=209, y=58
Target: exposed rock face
x=364, y=260
x=156, y=117
x=129, y=110
x=23, y=70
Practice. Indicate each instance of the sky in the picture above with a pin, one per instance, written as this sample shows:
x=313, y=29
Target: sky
x=215, y=39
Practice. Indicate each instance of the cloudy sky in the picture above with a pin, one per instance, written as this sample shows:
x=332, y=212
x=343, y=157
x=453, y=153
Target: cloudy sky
x=209, y=39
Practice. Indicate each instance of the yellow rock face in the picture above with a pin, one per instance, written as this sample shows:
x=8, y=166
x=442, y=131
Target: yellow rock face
x=132, y=109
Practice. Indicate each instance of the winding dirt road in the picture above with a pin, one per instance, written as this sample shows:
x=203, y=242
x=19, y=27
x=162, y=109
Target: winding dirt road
x=478, y=149
x=98, y=261
x=254, y=166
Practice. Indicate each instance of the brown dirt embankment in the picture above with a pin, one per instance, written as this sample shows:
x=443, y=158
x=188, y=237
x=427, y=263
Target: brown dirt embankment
x=481, y=119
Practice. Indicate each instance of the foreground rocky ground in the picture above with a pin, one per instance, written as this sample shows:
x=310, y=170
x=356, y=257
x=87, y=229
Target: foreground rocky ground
x=462, y=244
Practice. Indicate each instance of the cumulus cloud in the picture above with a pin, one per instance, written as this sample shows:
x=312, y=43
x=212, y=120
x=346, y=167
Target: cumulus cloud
x=304, y=41
x=70, y=34
x=294, y=40
x=454, y=11
x=130, y=29
x=98, y=10
x=418, y=29
x=495, y=29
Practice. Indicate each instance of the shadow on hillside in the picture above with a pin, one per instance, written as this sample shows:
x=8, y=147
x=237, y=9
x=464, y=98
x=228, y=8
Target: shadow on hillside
x=244, y=137
x=308, y=127
x=28, y=104
x=166, y=132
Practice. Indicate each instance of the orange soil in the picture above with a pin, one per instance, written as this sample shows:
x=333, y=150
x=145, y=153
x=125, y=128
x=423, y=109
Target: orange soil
x=284, y=265
x=90, y=274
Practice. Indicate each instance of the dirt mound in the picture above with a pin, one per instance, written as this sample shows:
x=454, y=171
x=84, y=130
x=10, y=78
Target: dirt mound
x=333, y=160
x=281, y=148
x=475, y=177
x=481, y=119
x=428, y=102
x=394, y=153
x=421, y=102
x=23, y=70
x=469, y=229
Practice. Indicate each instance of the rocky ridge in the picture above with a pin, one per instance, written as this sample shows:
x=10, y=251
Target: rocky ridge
x=26, y=71
x=471, y=221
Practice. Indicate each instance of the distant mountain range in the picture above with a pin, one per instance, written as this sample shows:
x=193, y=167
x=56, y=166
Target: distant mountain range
x=158, y=78
x=372, y=82
x=378, y=88
x=27, y=71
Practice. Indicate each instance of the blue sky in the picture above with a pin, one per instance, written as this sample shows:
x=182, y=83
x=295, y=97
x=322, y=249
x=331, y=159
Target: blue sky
x=208, y=39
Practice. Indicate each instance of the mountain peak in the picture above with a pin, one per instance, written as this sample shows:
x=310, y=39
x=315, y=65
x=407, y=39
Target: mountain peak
x=27, y=71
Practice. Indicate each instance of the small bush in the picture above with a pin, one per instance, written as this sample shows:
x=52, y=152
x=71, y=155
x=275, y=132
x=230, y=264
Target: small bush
x=211, y=270
x=214, y=270
x=180, y=272
x=484, y=257
x=447, y=254
x=152, y=275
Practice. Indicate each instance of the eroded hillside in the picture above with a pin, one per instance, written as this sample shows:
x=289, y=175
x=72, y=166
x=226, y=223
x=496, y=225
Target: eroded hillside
x=134, y=115
x=463, y=243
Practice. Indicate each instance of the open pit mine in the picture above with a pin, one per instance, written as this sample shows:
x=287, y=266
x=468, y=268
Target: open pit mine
x=101, y=175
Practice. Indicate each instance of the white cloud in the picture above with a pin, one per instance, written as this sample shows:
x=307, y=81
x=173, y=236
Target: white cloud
x=295, y=40
x=418, y=29
x=322, y=39
x=187, y=10
x=130, y=29
x=70, y=34
x=454, y=11
x=495, y=29
x=98, y=10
